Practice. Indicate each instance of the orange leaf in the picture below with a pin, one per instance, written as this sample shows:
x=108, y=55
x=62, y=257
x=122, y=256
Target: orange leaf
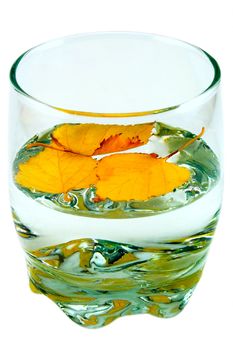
x=56, y=171
x=93, y=139
x=137, y=176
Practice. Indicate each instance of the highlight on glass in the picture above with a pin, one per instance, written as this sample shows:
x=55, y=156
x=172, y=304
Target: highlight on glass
x=116, y=177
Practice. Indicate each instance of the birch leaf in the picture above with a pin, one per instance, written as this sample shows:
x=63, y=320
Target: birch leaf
x=55, y=171
x=137, y=176
x=93, y=139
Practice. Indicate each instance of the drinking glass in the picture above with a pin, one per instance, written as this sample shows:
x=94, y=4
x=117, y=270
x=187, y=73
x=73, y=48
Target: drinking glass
x=116, y=175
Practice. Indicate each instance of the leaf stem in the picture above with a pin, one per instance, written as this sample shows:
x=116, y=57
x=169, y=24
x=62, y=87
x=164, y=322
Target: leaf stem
x=188, y=143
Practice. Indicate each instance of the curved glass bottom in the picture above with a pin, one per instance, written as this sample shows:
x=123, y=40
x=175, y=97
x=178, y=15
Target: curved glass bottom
x=96, y=281
x=101, y=311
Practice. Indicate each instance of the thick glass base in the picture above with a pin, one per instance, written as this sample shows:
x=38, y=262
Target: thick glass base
x=96, y=281
x=98, y=312
x=98, y=315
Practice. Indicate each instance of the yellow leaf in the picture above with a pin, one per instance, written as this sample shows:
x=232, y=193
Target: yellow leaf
x=127, y=176
x=137, y=176
x=91, y=139
x=56, y=171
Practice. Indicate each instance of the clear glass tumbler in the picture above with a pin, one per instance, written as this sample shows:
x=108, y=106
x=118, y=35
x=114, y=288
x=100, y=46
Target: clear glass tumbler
x=116, y=171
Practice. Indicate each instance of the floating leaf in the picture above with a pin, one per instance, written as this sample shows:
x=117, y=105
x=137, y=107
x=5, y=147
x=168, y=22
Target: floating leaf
x=92, y=139
x=127, y=176
x=137, y=176
x=56, y=171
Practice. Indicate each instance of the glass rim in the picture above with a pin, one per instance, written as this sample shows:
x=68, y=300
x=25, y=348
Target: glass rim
x=212, y=86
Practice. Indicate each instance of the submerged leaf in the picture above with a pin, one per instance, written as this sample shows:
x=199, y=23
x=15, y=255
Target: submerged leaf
x=55, y=171
x=137, y=176
x=93, y=139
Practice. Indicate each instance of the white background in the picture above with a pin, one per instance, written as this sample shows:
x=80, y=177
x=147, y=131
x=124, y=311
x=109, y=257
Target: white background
x=31, y=321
